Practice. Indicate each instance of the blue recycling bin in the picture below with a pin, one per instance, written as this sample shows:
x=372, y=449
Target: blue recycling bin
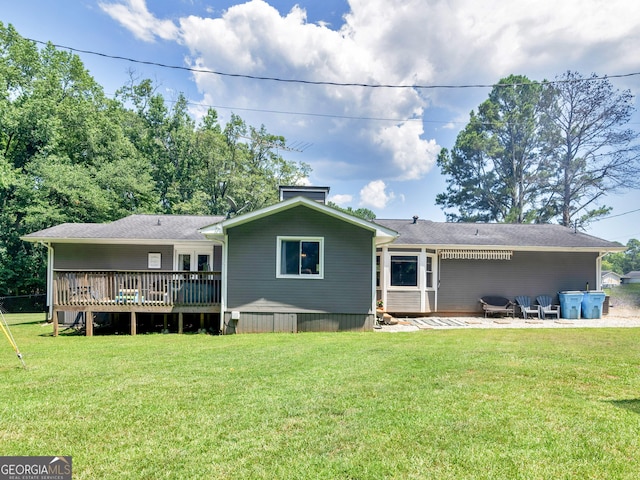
x=592, y=304
x=570, y=304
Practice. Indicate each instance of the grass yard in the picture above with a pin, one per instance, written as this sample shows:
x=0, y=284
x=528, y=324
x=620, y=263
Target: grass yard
x=448, y=404
x=624, y=296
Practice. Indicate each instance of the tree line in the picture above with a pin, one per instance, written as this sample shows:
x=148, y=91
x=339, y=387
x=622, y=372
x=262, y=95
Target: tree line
x=542, y=152
x=68, y=153
x=624, y=262
x=532, y=152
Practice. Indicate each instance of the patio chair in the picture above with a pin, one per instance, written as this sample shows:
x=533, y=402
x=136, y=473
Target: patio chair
x=546, y=307
x=494, y=304
x=524, y=303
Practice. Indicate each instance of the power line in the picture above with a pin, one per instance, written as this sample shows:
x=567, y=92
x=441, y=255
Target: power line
x=326, y=115
x=319, y=82
x=617, y=215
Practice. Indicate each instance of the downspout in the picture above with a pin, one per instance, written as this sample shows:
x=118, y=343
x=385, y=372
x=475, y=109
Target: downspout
x=373, y=279
x=422, y=278
x=223, y=290
x=599, y=270
x=437, y=279
x=49, y=278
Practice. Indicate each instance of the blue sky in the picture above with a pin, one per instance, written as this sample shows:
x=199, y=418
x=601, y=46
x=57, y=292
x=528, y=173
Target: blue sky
x=375, y=148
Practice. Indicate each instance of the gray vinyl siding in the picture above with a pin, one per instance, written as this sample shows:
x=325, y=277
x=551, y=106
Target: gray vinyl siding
x=403, y=300
x=69, y=256
x=251, y=322
x=430, y=301
x=252, y=285
x=118, y=257
x=217, y=258
x=463, y=282
x=315, y=322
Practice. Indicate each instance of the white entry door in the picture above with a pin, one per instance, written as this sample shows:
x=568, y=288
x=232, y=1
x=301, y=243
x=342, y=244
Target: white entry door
x=193, y=260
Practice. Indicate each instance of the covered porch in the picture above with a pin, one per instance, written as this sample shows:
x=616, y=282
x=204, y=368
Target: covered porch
x=134, y=292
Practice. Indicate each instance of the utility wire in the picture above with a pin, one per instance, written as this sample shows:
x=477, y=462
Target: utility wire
x=614, y=216
x=326, y=115
x=318, y=82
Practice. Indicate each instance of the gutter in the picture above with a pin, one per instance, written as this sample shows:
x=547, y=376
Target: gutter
x=599, y=269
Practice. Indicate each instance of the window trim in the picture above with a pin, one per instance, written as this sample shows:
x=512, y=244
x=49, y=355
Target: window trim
x=288, y=238
x=427, y=287
x=193, y=252
x=415, y=255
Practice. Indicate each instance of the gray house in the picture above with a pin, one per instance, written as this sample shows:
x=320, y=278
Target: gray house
x=298, y=266
x=446, y=267
x=154, y=266
x=631, y=277
x=610, y=279
x=295, y=266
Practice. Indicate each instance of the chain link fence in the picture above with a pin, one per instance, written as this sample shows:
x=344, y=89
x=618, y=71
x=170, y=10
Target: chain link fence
x=24, y=303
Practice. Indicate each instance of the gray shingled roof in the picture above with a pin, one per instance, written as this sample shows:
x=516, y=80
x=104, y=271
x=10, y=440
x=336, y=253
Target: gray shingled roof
x=425, y=232
x=133, y=227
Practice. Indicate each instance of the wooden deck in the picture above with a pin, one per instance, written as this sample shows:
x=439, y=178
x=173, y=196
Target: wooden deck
x=135, y=292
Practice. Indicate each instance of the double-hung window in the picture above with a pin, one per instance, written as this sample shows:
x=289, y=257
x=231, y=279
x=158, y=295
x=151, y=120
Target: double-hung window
x=300, y=257
x=429, y=271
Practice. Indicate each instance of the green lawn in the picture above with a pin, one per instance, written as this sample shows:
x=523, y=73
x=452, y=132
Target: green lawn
x=507, y=404
x=625, y=296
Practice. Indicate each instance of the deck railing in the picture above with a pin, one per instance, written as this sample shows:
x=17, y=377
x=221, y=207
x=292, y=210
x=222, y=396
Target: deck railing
x=76, y=288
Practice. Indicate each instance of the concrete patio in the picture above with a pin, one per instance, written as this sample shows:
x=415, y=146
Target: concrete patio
x=627, y=318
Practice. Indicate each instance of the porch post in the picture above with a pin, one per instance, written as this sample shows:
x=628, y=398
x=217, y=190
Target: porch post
x=180, y=320
x=202, y=322
x=133, y=322
x=88, y=323
x=55, y=323
x=166, y=329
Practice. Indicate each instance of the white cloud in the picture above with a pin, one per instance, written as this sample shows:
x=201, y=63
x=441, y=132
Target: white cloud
x=135, y=17
x=413, y=42
x=374, y=195
x=341, y=199
x=412, y=156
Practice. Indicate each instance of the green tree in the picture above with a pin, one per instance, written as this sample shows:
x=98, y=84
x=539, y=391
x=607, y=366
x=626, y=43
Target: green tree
x=63, y=154
x=493, y=171
x=205, y=168
x=363, y=213
x=542, y=151
x=624, y=262
x=587, y=145
x=69, y=154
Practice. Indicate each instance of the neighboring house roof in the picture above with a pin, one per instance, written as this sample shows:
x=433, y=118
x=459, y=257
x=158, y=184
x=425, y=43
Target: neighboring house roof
x=634, y=274
x=609, y=273
x=382, y=233
x=132, y=228
x=495, y=235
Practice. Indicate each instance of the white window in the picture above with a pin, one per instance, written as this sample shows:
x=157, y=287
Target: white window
x=429, y=272
x=404, y=270
x=300, y=257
